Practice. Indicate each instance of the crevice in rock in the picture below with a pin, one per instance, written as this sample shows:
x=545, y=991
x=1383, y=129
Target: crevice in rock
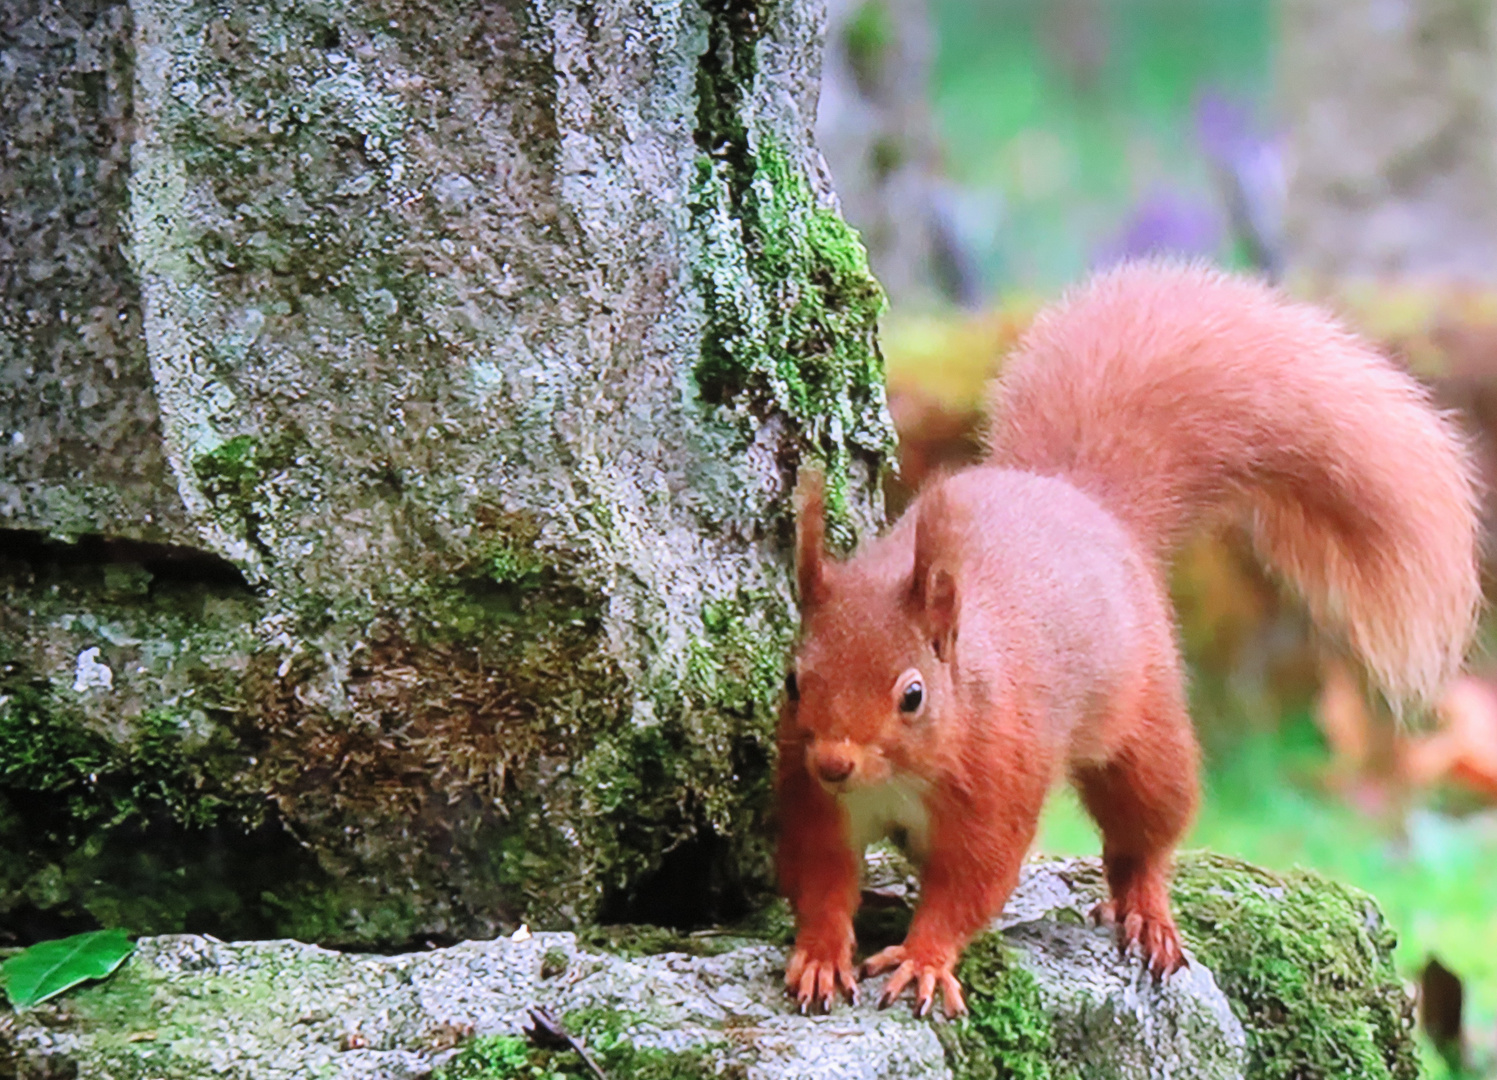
x=696, y=885
x=164, y=562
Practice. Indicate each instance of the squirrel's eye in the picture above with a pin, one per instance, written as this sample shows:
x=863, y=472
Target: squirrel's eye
x=912, y=698
x=792, y=688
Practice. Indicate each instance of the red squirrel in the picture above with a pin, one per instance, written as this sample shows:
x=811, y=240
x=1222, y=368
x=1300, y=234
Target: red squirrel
x=1015, y=622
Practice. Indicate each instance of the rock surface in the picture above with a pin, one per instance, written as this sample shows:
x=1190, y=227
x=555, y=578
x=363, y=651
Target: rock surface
x=401, y=404
x=1054, y=999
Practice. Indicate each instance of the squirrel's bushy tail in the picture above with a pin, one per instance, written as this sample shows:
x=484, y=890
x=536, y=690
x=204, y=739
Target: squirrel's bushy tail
x=1168, y=392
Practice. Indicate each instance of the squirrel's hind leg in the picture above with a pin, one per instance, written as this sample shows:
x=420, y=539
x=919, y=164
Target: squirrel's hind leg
x=1143, y=798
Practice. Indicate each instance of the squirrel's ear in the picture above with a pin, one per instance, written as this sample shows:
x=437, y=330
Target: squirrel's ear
x=933, y=590
x=939, y=605
x=810, y=538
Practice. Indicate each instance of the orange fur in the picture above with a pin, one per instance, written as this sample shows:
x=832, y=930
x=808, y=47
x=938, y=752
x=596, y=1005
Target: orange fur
x=1026, y=598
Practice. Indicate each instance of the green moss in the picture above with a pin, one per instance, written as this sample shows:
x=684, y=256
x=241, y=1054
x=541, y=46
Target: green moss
x=635, y=779
x=512, y=591
x=725, y=76
x=151, y=833
x=792, y=312
x=49, y=753
x=772, y=921
x=132, y=806
x=49, y=756
x=126, y=581
x=231, y=477
x=632, y=940
x=537, y=870
x=514, y=636
x=791, y=305
x=729, y=696
x=339, y=912
x=606, y=1034
x=231, y=464
x=622, y=1058
x=737, y=663
x=139, y=1029
x=136, y=1039
x=699, y=769
x=639, y=940
x=1007, y=1034
x=490, y=1057
x=511, y=564
x=1307, y=965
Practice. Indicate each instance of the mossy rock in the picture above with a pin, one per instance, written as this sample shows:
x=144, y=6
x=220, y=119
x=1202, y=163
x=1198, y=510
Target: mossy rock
x=1050, y=995
x=1307, y=964
x=445, y=587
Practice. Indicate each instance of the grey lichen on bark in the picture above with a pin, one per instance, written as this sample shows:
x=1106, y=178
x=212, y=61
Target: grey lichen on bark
x=486, y=341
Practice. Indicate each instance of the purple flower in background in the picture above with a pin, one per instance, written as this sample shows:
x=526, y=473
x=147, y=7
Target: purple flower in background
x=1222, y=127
x=1166, y=222
x=1249, y=168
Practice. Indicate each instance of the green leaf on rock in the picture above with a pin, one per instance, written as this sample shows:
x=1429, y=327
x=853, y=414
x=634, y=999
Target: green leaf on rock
x=48, y=968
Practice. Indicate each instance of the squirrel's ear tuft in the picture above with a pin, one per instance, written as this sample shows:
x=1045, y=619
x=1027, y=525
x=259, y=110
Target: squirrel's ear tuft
x=933, y=587
x=810, y=538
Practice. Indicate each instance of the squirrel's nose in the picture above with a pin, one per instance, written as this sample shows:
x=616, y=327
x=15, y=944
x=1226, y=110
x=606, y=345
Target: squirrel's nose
x=833, y=768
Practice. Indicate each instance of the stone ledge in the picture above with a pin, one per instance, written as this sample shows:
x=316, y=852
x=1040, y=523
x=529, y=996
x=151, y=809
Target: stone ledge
x=1055, y=992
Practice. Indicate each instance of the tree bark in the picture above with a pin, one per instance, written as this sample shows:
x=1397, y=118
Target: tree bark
x=470, y=351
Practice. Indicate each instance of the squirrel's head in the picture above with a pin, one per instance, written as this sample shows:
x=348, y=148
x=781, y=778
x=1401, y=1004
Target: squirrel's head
x=869, y=690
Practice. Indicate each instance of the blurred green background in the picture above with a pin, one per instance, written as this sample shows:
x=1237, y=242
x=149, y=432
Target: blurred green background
x=1067, y=114
x=1069, y=133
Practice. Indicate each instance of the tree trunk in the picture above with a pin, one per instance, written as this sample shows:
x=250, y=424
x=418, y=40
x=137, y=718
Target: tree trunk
x=426, y=382
x=1393, y=125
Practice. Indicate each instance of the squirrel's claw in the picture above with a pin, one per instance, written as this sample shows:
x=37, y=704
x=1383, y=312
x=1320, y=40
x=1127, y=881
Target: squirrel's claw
x=818, y=981
x=1156, y=939
x=849, y=980
x=1150, y=935
x=928, y=977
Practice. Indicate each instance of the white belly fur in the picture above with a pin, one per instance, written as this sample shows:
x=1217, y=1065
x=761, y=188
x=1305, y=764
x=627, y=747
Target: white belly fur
x=895, y=808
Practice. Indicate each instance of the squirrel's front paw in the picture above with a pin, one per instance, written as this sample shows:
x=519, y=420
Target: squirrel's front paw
x=816, y=972
x=1150, y=931
x=926, y=974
